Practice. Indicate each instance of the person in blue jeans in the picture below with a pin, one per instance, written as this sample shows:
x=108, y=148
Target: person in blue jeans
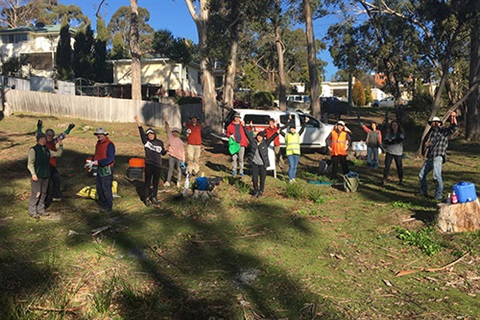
x=292, y=144
x=434, y=146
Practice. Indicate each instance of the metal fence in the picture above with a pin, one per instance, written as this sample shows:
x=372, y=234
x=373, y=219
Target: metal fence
x=100, y=109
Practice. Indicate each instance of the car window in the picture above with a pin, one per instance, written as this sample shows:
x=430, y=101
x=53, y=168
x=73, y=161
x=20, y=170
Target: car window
x=284, y=119
x=312, y=122
x=257, y=119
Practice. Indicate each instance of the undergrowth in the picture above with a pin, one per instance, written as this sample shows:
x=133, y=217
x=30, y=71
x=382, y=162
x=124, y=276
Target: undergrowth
x=423, y=239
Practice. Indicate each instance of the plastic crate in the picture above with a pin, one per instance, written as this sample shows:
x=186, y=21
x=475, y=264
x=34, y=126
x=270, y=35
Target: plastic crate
x=465, y=192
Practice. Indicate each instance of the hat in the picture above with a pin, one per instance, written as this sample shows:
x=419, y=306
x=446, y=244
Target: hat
x=236, y=114
x=50, y=132
x=261, y=134
x=41, y=135
x=435, y=119
x=101, y=131
x=341, y=123
x=150, y=130
x=175, y=129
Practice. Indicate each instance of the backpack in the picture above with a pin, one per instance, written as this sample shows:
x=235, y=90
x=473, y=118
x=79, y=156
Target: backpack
x=323, y=167
x=351, y=182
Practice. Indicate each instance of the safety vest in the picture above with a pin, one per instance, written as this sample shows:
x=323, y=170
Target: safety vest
x=339, y=143
x=292, y=140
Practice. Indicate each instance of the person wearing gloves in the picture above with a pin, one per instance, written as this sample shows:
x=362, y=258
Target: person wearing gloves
x=374, y=141
x=270, y=131
x=236, y=130
x=258, y=159
x=54, y=185
x=434, y=147
x=104, y=159
x=393, y=144
x=154, y=150
x=292, y=144
x=176, y=153
x=39, y=166
x=337, y=142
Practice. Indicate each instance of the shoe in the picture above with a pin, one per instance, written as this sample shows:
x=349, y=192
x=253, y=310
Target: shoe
x=44, y=213
x=234, y=173
x=259, y=194
x=34, y=216
x=241, y=174
x=148, y=202
x=178, y=184
x=166, y=184
x=384, y=182
x=56, y=199
x=400, y=183
x=154, y=200
x=291, y=181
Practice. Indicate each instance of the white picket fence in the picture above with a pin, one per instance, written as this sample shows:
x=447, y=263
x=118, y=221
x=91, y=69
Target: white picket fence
x=99, y=109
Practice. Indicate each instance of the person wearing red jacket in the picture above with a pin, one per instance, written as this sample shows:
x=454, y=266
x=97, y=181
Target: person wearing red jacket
x=194, y=145
x=104, y=158
x=269, y=132
x=235, y=129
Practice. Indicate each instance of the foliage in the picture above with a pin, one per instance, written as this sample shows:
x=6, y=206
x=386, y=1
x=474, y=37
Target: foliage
x=83, y=59
x=358, y=94
x=423, y=239
x=368, y=94
x=101, y=69
x=63, y=59
x=119, y=48
x=167, y=46
x=262, y=99
x=295, y=191
x=13, y=66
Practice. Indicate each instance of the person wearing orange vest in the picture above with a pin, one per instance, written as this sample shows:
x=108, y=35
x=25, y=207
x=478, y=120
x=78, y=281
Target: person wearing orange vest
x=337, y=142
x=104, y=158
x=54, y=185
x=194, y=145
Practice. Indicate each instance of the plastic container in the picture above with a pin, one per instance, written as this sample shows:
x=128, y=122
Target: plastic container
x=135, y=173
x=202, y=183
x=136, y=163
x=465, y=192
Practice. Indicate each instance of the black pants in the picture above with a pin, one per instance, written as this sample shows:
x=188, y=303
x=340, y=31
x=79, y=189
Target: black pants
x=388, y=162
x=53, y=186
x=258, y=170
x=152, y=177
x=343, y=162
x=104, y=191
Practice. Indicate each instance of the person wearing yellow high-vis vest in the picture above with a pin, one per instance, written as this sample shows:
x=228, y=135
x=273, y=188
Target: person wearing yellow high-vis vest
x=337, y=142
x=292, y=144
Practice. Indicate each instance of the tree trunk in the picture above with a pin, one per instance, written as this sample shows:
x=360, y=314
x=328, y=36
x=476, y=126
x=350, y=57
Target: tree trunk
x=135, y=51
x=209, y=104
x=473, y=105
x=228, y=95
x=459, y=217
x=282, y=86
x=312, y=65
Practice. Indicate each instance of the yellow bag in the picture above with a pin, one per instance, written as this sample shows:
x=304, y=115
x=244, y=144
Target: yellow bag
x=91, y=192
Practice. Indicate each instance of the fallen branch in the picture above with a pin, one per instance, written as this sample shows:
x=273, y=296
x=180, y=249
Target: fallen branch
x=407, y=272
x=68, y=310
x=160, y=256
x=100, y=230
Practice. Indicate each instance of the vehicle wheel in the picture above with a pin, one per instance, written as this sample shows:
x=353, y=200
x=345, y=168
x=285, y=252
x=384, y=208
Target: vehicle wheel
x=375, y=105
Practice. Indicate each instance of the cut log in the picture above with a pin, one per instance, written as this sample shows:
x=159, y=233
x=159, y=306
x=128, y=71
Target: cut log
x=459, y=217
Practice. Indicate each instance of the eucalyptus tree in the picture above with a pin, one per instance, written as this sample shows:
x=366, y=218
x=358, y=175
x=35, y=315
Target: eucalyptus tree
x=134, y=41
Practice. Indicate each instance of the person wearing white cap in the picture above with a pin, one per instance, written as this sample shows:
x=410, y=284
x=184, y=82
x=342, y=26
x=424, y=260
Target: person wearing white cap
x=104, y=159
x=176, y=153
x=434, y=147
x=154, y=150
x=337, y=142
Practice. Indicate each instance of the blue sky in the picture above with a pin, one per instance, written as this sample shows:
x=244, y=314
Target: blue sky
x=174, y=16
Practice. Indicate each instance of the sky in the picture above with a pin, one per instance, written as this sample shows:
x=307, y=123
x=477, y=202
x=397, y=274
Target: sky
x=173, y=15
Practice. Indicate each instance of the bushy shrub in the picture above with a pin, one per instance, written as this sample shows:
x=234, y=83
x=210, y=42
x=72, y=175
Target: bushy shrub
x=262, y=99
x=358, y=94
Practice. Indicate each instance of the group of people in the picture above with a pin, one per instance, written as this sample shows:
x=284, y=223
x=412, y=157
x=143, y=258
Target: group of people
x=434, y=149
x=45, y=178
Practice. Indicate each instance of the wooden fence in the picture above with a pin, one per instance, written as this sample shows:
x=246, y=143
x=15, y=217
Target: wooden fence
x=100, y=109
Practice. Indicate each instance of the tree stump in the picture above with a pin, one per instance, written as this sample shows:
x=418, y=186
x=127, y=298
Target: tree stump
x=458, y=217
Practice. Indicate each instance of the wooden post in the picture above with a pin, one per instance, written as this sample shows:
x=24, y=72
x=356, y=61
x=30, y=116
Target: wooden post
x=459, y=217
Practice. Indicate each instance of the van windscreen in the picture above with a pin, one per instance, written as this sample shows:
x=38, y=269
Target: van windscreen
x=257, y=119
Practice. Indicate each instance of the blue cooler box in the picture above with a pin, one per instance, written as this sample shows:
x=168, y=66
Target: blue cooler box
x=465, y=192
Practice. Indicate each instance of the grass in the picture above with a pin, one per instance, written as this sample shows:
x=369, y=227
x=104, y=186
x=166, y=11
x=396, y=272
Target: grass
x=303, y=251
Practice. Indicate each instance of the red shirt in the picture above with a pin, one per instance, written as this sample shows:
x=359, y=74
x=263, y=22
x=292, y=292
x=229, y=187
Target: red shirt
x=270, y=132
x=51, y=146
x=231, y=132
x=195, y=135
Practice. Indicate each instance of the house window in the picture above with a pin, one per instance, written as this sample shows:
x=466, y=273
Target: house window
x=14, y=38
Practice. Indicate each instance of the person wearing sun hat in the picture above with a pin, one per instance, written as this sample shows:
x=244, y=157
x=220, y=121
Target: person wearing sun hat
x=434, y=148
x=104, y=159
x=337, y=142
x=39, y=166
x=176, y=153
x=154, y=150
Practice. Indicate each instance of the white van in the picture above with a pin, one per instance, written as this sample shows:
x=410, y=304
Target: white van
x=313, y=137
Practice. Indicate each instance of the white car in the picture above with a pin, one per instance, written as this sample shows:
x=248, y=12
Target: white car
x=313, y=137
x=385, y=102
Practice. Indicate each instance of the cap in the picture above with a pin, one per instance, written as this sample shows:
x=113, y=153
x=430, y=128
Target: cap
x=150, y=130
x=341, y=123
x=50, y=132
x=175, y=129
x=41, y=135
x=101, y=131
x=435, y=119
x=261, y=134
x=236, y=115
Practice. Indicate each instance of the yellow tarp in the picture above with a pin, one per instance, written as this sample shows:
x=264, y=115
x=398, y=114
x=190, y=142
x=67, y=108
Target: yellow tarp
x=91, y=191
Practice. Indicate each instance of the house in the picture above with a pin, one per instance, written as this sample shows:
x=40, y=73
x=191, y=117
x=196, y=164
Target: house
x=37, y=45
x=174, y=78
